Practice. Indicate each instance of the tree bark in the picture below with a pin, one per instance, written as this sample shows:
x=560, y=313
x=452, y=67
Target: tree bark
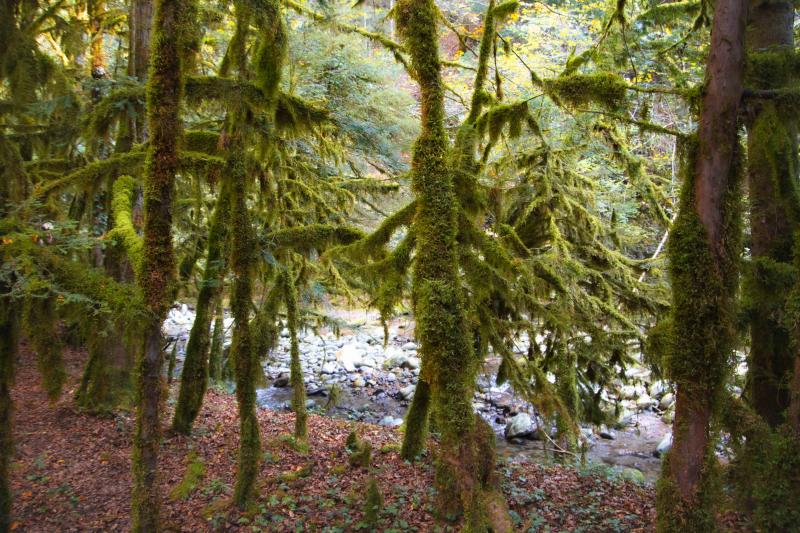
x=774, y=209
x=173, y=23
x=704, y=249
x=194, y=377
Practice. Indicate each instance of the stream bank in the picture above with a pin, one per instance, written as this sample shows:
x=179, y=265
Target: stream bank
x=374, y=383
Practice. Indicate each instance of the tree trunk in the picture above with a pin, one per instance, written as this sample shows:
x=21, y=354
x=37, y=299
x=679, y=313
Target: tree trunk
x=242, y=353
x=9, y=333
x=296, y=367
x=774, y=207
x=217, y=342
x=194, y=377
x=449, y=363
x=173, y=25
x=703, y=253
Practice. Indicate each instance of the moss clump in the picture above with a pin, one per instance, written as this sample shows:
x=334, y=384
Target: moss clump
x=360, y=450
x=195, y=472
x=373, y=504
x=124, y=231
x=603, y=88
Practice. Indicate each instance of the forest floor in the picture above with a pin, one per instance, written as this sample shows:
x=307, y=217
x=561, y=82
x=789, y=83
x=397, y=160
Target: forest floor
x=71, y=472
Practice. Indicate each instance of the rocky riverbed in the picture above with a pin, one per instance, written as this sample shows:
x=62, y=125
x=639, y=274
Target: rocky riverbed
x=353, y=375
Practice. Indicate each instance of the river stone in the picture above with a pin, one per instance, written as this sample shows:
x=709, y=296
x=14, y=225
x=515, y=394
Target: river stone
x=391, y=378
x=395, y=360
x=281, y=381
x=607, y=433
x=645, y=402
x=410, y=347
x=520, y=426
x=632, y=474
x=390, y=421
x=330, y=368
x=664, y=446
x=407, y=392
x=628, y=392
x=666, y=401
x=358, y=382
x=413, y=362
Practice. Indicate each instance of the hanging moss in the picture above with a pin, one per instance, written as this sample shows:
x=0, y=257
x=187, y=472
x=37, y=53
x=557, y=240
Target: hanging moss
x=42, y=328
x=194, y=377
x=95, y=172
x=669, y=12
x=603, y=88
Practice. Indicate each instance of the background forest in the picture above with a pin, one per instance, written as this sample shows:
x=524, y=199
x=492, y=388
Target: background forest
x=286, y=265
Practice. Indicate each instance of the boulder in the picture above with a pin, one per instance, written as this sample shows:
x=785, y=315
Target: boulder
x=407, y=392
x=666, y=401
x=664, y=446
x=330, y=368
x=390, y=421
x=520, y=426
x=281, y=381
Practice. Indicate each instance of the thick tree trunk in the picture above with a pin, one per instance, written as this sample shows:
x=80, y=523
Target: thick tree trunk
x=449, y=364
x=703, y=252
x=173, y=24
x=296, y=367
x=774, y=207
x=194, y=377
x=9, y=329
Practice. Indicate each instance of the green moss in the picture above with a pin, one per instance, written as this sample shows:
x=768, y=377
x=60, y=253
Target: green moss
x=195, y=472
x=217, y=342
x=603, y=88
x=373, y=504
x=194, y=378
x=124, y=231
x=95, y=172
x=295, y=368
x=173, y=29
x=416, y=423
x=42, y=328
x=360, y=450
x=670, y=12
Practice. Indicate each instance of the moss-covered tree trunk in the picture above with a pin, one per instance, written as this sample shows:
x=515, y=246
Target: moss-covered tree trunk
x=449, y=364
x=774, y=205
x=172, y=39
x=417, y=422
x=243, y=259
x=217, y=342
x=296, y=367
x=9, y=329
x=194, y=377
x=703, y=252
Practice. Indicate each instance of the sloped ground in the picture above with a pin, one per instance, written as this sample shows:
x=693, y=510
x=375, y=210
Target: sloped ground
x=72, y=473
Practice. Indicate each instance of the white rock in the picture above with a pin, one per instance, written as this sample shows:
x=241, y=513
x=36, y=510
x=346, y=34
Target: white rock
x=665, y=445
x=330, y=368
x=410, y=346
x=408, y=391
x=413, y=362
x=645, y=402
x=520, y=425
x=390, y=421
x=666, y=400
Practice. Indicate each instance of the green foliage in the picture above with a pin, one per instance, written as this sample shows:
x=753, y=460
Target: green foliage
x=42, y=328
